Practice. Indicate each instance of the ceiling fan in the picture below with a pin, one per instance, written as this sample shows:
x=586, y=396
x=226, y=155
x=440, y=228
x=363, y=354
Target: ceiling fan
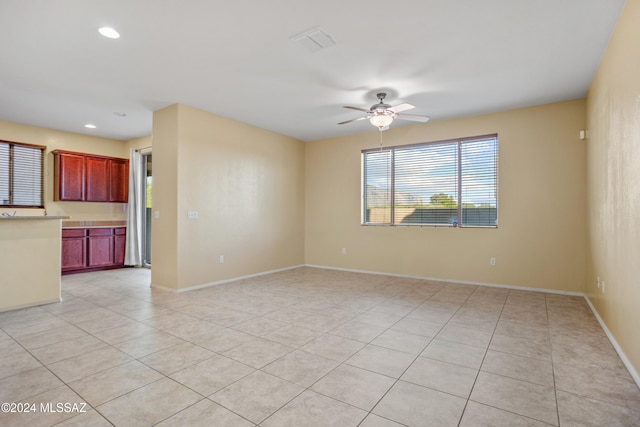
x=381, y=115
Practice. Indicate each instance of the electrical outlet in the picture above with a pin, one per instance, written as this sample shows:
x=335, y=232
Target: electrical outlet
x=221, y=259
x=192, y=214
x=603, y=291
x=492, y=261
x=156, y=214
x=344, y=251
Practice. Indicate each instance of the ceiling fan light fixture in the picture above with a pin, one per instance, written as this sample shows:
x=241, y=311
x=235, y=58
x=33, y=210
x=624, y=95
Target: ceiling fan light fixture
x=381, y=120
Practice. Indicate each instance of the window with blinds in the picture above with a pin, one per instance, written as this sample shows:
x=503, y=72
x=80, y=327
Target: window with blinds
x=449, y=183
x=21, y=175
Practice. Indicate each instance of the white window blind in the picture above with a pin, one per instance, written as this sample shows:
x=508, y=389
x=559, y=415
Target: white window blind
x=451, y=183
x=21, y=175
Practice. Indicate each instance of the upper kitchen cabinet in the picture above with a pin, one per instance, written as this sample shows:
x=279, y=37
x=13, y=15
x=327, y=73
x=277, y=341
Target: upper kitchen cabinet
x=90, y=178
x=69, y=177
x=119, y=182
x=96, y=188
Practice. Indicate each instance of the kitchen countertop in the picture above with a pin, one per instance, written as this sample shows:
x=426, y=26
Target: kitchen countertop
x=94, y=224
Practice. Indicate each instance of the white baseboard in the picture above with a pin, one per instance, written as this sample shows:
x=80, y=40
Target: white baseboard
x=220, y=282
x=616, y=346
x=35, y=304
x=461, y=282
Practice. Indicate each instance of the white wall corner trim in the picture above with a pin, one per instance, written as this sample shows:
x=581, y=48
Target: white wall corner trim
x=625, y=359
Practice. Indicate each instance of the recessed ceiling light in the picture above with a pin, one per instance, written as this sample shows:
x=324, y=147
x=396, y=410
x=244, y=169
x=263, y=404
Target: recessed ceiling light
x=109, y=32
x=90, y=126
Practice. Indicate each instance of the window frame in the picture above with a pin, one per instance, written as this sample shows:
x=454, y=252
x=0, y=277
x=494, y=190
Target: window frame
x=458, y=142
x=12, y=178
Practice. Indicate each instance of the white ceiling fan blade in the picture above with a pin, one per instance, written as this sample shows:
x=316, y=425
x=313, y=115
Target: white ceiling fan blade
x=356, y=108
x=401, y=107
x=413, y=118
x=353, y=120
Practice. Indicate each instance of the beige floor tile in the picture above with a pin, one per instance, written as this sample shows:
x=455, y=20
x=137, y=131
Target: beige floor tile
x=18, y=387
x=150, y=404
x=222, y=340
x=228, y=317
x=168, y=320
x=391, y=363
x=355, y=386
x=614, y=386
x=456, y=353
x=258, y=352
x=465, y=335
x=86, y=364
x=205, y=414
x=211, y=375
x=333, y=347
x=418, y=327
x=148, y=344
x=478, y=415
x=66, y=349
x=176, y=358
x=535, y=371
x=191, y=331
x=52, y=336
x=293, y=336
x=259, y=326
x=256, y=396
x=329, y=316
x=538, y=349
x=16, y=362
x=109, y=321
x=311, y=409
x=413, y=405
x=91, y=418
x=111, y=383
x=523, y=398
x=123, y=333
x=446, y=377
x=45, y=409
x=581, y=411
x=286, y=315
x=35, y=326
x=402, y=341
x=300, y=367
x=373, y=420
x=378, y=319
x=358, y=331
x=522, y=330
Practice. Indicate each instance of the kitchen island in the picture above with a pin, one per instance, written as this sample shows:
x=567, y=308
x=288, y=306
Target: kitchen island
x=29, y=260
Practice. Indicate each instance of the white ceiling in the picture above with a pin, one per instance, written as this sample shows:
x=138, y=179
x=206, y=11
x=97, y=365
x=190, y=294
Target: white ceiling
x=449, y=58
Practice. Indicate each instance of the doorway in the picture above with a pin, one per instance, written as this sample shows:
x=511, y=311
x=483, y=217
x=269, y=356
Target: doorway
x=146, y=229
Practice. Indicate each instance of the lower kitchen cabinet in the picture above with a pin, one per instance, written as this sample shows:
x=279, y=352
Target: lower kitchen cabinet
x=89, y=249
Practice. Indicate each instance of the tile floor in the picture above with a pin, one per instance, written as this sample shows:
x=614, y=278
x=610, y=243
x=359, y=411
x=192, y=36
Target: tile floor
x=310, y=347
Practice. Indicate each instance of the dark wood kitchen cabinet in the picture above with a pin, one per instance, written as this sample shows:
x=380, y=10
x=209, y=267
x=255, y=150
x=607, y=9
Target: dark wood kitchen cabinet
x=93, y=248
x=89, y=178
x=74, y=249
x=119, y=180
x=69, y=177
x=97, y=179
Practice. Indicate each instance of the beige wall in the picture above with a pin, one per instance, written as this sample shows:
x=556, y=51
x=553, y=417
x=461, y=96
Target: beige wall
x=540, y=242
x=247, y=185
x=613, y=171
x=58, y=140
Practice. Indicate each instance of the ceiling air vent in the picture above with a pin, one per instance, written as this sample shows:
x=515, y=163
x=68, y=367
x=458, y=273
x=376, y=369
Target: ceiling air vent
x=314, y=39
